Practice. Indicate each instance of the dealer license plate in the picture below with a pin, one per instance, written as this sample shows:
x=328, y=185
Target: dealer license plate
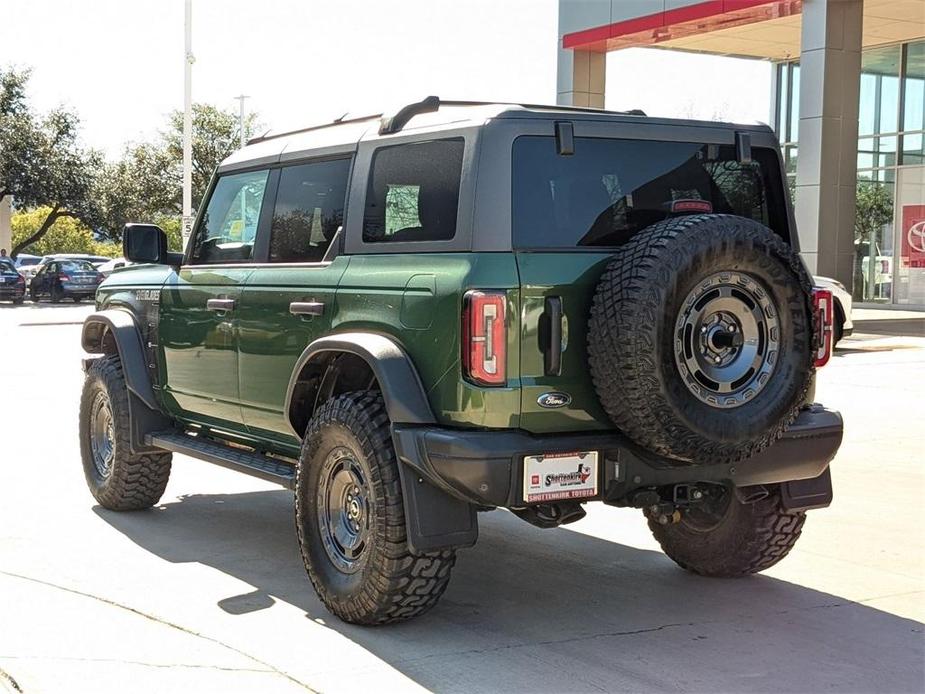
x=560, y=476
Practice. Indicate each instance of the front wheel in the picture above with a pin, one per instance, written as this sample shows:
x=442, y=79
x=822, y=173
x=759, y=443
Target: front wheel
x=724, y=536
x=350, y=518
x=118, y=479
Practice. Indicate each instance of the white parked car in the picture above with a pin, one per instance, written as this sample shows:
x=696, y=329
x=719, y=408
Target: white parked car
x=842, y=324
x=105, y=269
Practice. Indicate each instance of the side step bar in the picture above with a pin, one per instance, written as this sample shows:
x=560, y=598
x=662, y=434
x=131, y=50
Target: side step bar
x=240, y=460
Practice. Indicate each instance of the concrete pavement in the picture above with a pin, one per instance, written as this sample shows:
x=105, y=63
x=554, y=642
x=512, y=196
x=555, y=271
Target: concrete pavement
x=206, y=592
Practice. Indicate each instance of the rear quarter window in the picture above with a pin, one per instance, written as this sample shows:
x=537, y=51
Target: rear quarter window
x=610, y=189
x=413, y=192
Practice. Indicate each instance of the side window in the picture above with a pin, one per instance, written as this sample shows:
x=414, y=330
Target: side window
x=309, y=208
x=228, y=228
x=413, y=192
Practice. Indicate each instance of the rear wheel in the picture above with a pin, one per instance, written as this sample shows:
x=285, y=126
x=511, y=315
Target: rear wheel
x=724, y=536
x=351, y=522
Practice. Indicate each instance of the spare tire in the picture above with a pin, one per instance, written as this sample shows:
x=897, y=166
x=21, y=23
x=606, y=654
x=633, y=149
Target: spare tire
x=700, y=338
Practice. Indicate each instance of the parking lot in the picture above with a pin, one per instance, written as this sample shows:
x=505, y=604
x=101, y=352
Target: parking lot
x=206, y=592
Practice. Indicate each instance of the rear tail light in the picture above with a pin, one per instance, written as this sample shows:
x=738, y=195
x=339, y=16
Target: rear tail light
x=20, y=280
x=484, y=337
x=64, y=278
x=825, y=313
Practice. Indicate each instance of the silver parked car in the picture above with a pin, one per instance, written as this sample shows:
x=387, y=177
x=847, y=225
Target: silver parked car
x=842, y=323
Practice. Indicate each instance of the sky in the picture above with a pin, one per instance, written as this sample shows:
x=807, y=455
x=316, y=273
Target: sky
x=119, y=63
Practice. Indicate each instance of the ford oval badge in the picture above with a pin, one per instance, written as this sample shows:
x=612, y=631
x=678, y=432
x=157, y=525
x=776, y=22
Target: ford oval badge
x=553, y=400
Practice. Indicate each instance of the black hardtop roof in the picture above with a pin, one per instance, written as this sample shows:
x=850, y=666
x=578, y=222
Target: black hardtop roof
x=395, y=122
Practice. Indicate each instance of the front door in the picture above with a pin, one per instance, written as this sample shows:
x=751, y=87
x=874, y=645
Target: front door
x=200, y=304
x=289, y=301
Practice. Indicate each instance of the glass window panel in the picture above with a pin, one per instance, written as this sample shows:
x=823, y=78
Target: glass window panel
x=867, y=109
x=790, y=158
x=886, y=148
x=866, y=153
x=909, y=258
x=873, y=232
x=879, y=103
x=413, y=192
x=782, y=107
x=794, y=131
x=914, y=106
x=913, y=150
x=228, y=228
x=611, y=189
x=309, y=209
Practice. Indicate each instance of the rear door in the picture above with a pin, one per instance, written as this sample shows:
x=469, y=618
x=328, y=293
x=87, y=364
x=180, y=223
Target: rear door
x=570, y=212
x=199, y=305
x=289, y=300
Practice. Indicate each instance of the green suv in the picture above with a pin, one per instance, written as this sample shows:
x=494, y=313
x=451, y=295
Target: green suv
x=409, y=319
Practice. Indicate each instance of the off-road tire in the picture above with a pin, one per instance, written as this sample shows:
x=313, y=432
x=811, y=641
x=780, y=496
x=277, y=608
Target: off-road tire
x=393, y=584
x=134, y=482
x=751, y=537
x=632, y=331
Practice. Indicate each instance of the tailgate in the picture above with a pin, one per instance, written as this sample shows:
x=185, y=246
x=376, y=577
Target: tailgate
x=569, y=278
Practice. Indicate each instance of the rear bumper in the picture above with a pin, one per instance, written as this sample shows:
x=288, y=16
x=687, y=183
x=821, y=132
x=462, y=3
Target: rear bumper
x=485, y=467
x=8, y=293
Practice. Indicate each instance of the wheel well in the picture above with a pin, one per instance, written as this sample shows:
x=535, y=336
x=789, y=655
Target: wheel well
x=329, y=375
x=98, y=339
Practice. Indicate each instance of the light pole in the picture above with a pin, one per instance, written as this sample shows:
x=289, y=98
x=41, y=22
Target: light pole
x=188, y=60
x=241, y=100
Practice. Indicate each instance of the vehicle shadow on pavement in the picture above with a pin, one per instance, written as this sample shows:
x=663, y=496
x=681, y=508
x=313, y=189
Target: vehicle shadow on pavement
x=557, y=610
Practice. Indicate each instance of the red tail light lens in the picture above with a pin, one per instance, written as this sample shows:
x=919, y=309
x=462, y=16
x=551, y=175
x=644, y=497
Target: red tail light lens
x=64, y=278
x=484, y=338
x=825, y=316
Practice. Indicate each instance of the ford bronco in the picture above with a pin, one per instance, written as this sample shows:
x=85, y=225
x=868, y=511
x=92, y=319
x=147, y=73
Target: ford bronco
x=458, y=307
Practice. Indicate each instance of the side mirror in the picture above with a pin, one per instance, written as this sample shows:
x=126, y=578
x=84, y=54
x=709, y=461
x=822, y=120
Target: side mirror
x=147, y=243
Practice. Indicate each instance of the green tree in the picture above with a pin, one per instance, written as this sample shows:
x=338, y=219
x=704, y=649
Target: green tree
x=146, y=183
x=42, y=163
x=215, y=136
x=64, y=235
x=873, y=210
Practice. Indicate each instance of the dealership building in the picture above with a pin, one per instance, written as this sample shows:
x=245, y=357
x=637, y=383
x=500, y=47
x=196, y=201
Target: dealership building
x=847, y=102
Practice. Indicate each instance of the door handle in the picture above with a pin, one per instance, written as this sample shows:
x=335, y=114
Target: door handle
x=306, y=308
x=552, y=350
x=220, y=304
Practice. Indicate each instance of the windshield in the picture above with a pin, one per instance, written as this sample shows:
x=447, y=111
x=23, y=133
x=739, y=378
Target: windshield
x=609, y=189
x=75, y=266
x=23, y=262
x=7, y=267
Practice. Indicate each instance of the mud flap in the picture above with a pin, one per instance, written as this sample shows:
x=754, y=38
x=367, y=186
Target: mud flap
x=803, y=495
x=434, y=519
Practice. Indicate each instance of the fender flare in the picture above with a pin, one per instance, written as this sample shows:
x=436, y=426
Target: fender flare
x=402, y=390
x=125, y=332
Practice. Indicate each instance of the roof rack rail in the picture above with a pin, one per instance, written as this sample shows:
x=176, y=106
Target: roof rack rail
x=548, y=107
x=397, y=121
x=340, y=120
